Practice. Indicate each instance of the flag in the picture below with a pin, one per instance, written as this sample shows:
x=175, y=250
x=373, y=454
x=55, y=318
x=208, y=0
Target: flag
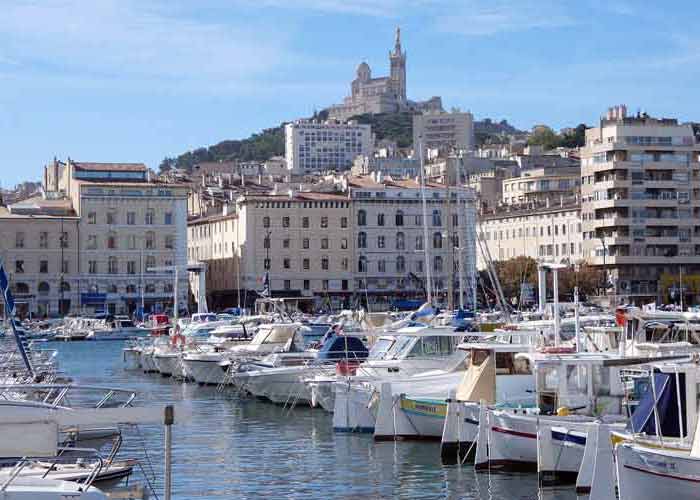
x=20, y=339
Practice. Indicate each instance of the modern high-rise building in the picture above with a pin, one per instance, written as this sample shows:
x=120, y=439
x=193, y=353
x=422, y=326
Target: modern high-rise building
x=640, y=189
x=312, y=146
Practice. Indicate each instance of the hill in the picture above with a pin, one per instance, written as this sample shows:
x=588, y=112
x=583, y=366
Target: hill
x=270, y=142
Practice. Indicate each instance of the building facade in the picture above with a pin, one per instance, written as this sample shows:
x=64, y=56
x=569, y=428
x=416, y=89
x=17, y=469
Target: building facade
x=640, y=187
x=312, y=146
x=542, y=186
x=443, y=131
x=132, y=233
x=39, y=246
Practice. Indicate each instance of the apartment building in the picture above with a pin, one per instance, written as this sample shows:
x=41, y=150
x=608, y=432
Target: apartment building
x=389, y=240
x=640, y=187
x=302, y=241
x=39, y=247
x=443, y=131
x=547, y=234
x=129, y=229
x=542, y=185
x=312, y=146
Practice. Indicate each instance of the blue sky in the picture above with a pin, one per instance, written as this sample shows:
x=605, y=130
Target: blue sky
x=136, y=80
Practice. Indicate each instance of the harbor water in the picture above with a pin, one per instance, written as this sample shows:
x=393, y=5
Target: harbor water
x=239, y=447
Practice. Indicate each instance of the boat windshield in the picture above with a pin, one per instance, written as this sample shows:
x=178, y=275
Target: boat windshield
x=380, y=348
x=432, y=346
x=401, y=346
x=126, y=323
x=271, y=335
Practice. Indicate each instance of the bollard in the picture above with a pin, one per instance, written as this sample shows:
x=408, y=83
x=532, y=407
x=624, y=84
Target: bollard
x=169, y=419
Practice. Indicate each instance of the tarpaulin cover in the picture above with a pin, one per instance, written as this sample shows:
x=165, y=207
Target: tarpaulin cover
x=643, y=419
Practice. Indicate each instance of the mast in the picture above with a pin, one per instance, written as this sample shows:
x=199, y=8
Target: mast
x=424, y=203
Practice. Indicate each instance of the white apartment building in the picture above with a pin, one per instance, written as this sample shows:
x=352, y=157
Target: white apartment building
x=547, y=234
x=640, y=188
x=444, y=131
x=301, y=241
x=542, y=185
x=128, y=227
x=389, y=241
x=312, y=146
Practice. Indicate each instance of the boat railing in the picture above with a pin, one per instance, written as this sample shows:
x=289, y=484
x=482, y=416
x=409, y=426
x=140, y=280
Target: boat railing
x=55, y=395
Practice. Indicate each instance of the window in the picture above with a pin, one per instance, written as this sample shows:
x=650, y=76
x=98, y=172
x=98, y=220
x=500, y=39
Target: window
x=64, y=266
x=455, y=220
x=168, y=288
x=150, y=240
x=343, y=243
x=361, y=218
x=286, y=263
x=419, y=242
x=287, y=284
x=92, y=267
x=266, y=242
x=112, y=289
x=112, y=241
x=19, y=240
x=324, y=263
x=324, y=284
x=285, y=221
x=307, y=284
x=92, y=242
x=380, y=242
x=131, y=267
x=112, y=265
x=324, y=243
x=150, y=288
x=400, y=264
x=131, y=242
x=305, y=243
x=307, y=264
x=131, y=289
x=266, y=221
x=92, y=218
x=362, y=264
x=344, y=284
x=343, y=222
x=380, y=219
x=111, y=217
x=399, y=218
x=131, y=218
x=43, y=239
x=285, y=243
x=19, y=266
x=170, y=241
x=437, y=264
x=381, y=266
x=344, y=263
x=150, y=263
x=63, y=240
x=305, y=222
x=44, y=266
x=150, y=216
x=361, y=240
x=437, y=240
x=437, y=218
x=168, y=218
x=266, y=264
x=400, y=241
x=324, y=222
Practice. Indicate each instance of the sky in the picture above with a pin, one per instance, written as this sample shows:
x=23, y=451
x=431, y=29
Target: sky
x=138, y=80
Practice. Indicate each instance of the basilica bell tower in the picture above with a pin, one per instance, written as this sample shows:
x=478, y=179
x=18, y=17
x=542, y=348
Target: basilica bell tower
x=397, y=59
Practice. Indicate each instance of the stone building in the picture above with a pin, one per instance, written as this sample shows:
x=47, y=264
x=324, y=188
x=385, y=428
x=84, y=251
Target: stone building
x=384, y=94
x=128, y=226
x=39, y=246
x=444, y=131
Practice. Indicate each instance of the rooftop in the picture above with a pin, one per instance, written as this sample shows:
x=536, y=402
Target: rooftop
x=109, y=167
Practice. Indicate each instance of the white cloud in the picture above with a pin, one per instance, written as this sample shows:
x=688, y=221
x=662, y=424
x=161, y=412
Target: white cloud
x=130, y=39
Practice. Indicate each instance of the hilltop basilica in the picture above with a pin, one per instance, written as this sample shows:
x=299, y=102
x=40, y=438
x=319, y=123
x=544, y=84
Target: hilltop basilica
x=385, y=94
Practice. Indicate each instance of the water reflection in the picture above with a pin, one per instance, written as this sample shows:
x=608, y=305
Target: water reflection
x=241, y=447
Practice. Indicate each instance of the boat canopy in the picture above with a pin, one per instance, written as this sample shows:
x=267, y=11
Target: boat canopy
x=644, y=417
x=343, y=347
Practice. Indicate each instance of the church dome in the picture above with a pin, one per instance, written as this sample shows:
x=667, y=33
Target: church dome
x=363, y=72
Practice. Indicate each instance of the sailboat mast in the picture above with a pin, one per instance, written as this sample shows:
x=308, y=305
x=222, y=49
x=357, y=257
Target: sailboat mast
x=424, y=202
